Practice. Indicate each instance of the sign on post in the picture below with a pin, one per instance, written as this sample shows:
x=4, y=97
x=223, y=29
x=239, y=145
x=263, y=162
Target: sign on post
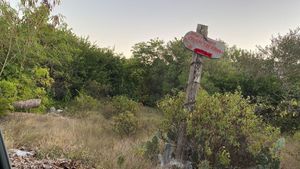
x=203, y=46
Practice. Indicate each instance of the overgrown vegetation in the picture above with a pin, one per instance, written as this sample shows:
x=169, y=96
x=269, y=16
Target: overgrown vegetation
x=222, y=130
x=122, y=104
x=40, y=57
x=89, y=140
x=125, y=123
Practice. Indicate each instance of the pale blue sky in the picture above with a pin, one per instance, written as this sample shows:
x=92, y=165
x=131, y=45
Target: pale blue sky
x=122, y=23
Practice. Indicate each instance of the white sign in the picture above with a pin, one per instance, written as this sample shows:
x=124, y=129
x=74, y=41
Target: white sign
x=207, y=47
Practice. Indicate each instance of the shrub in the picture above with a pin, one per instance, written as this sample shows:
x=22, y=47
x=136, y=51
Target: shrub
x=82, y=104
x=27, y=87
x=151, y=148
x=125, y=124
x=122, y=104
x=222, y=130
x=288, y=116
x=8, y=89
x=108, y=110
x=8, y=92
x=285, y=115
x=4, y=106
x=42, y=77
x=96, y=89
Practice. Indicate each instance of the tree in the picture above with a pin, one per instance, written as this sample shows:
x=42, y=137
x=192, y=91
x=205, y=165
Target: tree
x=284, y=54
x=163, y=69
x=20, y=28
x=22, y=51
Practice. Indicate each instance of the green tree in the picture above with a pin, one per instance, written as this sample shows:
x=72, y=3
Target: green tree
x=284, y=54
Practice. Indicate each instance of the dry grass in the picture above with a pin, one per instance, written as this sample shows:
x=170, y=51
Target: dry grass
x=90, y=140
x=291, y=153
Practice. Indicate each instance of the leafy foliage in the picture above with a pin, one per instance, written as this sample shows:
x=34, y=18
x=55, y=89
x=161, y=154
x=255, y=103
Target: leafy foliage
x=125, y=124
x=123, y=104
x=288, y=116
x=43, y=58
x=40, y=57
x=82, y=104
x=8, y=91
x=222, y=129
x=124, y=115
x=151, y=148
x=24, y=88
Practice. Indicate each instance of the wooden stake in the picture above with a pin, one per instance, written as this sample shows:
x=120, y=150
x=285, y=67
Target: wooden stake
x=191, y=93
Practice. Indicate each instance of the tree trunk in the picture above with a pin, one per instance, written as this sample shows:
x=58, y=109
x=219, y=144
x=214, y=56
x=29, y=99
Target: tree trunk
x=28, y=104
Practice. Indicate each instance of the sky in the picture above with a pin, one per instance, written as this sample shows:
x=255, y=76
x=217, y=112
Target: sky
x=120, y=24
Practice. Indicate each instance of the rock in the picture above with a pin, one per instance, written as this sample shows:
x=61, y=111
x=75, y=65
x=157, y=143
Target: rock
x=21, y=153
x=27, y=104
x=52, y=110
x=59, y=110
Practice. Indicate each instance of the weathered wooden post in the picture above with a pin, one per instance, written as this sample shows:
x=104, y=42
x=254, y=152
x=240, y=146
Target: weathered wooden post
x=202, y=46
x=191, y=92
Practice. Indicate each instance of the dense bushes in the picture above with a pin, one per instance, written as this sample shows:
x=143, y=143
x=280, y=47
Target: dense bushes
x=124, y=115
x=222, y=130
x=5, y=106
x=125, y=124
x=151, y=148
x=123, y=104
x=8, y=92
x=27, y=87
x=288, y=116
x=82, y=105
x=50, y=62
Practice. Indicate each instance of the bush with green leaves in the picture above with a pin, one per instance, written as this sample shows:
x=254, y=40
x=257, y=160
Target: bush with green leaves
x=122, y=104
x=96, y=89
x=42, y=77
x=151, y=148
x=8, y=93
x=35, y=87
x=288, y=116
x=26, y=87
x=285, y=115
x=125, y=124
x=223, y=130
x=5, y=105
x=82, y=104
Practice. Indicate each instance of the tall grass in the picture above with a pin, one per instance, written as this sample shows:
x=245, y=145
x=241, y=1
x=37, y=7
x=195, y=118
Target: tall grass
x=291, y=152
x=88, y=139
x=92, y=141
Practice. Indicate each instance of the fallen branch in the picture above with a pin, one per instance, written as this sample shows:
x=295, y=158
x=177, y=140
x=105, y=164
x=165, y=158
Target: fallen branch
x=28, y=104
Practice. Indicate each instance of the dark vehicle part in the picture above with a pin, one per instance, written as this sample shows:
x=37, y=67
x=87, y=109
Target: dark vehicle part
x=4, y=160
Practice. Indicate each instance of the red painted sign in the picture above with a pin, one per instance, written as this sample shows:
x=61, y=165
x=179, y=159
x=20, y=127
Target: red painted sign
x=206, y=47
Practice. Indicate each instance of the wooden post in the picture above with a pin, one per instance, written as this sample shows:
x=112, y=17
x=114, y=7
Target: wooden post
x=191, y=93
